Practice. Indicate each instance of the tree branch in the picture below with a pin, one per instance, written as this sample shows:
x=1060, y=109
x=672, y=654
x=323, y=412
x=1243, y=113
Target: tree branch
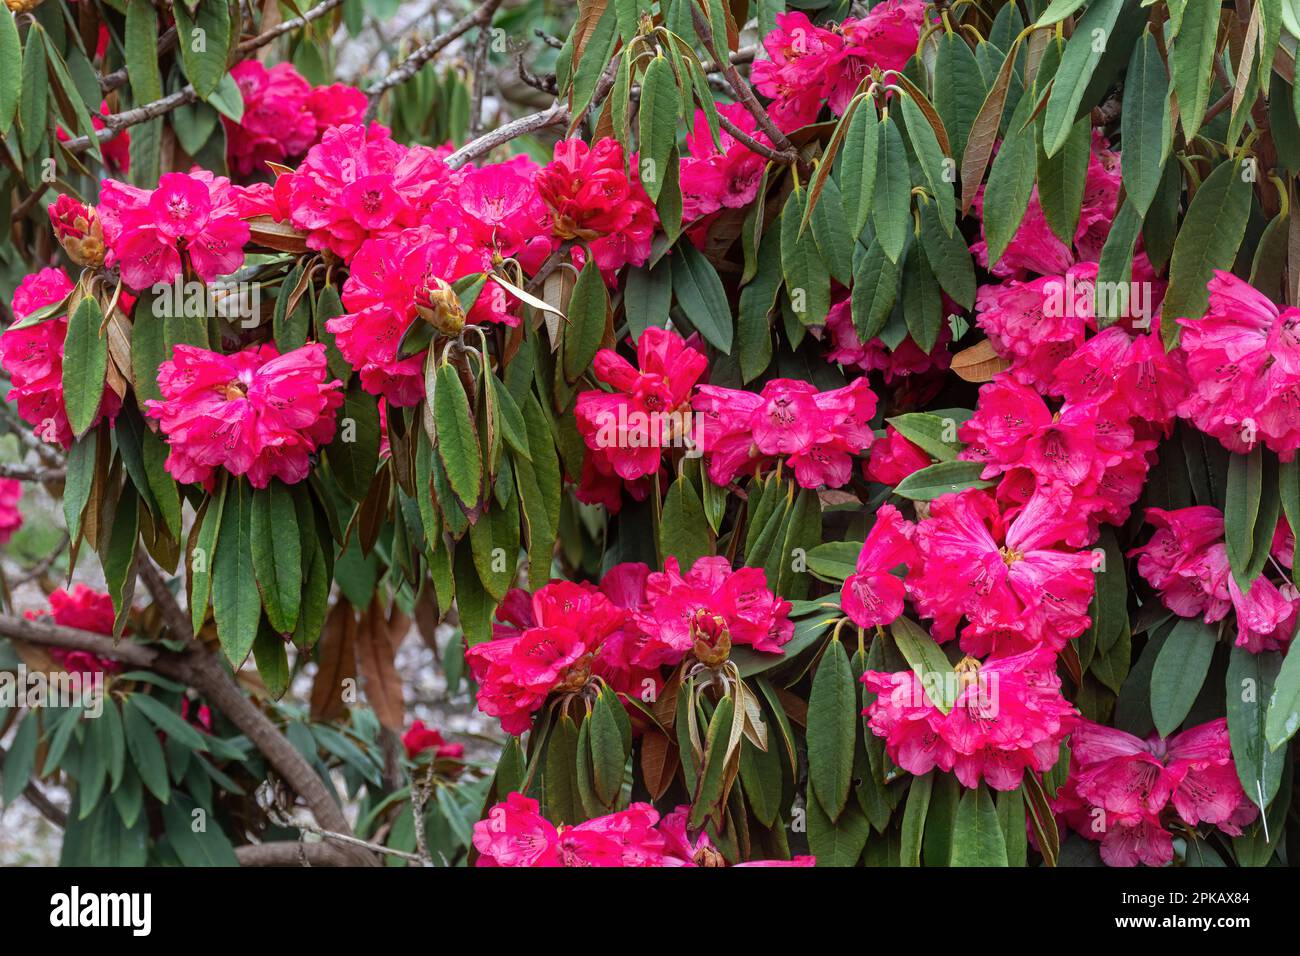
x=30, y=473
x=481, y=17
x=290, y=853
x=205, y=672
x=556, y=114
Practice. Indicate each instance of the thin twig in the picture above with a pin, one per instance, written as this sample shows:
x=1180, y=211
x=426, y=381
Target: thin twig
x=111, y=81
x=556, y=114
x=480, y=17
x=31, y=473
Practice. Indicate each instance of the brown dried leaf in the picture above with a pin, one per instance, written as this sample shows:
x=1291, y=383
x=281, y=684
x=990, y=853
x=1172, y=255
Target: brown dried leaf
x=659, y=761
x=979, y=363
x=270, y=234
x=375, y=658
x=336, y=661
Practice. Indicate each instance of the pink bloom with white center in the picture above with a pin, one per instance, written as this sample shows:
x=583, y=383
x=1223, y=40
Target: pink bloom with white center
x=147, y=230
x=1243, y=362
x=1008, y=716
x=1186, y=561
x=1017, y=588
x=11, y=519
x=33, y=359
x=256, y=413
x=894, y=458
x=650, y=408
x=818, y=433
x=357, y=183
x=872, y=595
x=1120, y=788
x=753, y=615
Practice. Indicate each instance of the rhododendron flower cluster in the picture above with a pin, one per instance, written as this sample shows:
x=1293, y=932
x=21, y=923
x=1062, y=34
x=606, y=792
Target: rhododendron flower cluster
x=904, y=360
x=565, y=632
x=810, y=65
x=256, y=413
x=1008, y=716
x=515, y=834
x=193, y=213
x=872, y=595
x=1243, y=361
x=816, y=433
x=590, y=198
x=893, y=458
x=1122, y=791
x=1006, y=573
x=283, y=115
x=11, y=519
x=84, y=609
x=725, y=177
x=33, y=358
x=1186, y=561
x=649, y=410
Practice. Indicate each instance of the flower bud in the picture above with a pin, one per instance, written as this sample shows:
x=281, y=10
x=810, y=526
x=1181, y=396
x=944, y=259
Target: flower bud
x=78, y=230
x=711, y=636
x=439, y=305
x=23, y=6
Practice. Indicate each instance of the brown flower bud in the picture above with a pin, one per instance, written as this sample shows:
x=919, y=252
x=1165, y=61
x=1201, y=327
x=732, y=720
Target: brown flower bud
x=78, y=230
x=439, y=305
x=711, y=637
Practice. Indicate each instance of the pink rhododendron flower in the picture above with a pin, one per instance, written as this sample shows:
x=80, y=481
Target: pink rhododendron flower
x=419, y=738
x=714, y=178
x=894, y=458
x=357, y=182
x=256, y=413
x=147, y=230
x=1087, y=453
x=681, y=850
x=276, y=123
x=390, y=278
x=818, y=433
x=1243, y=362
x=499, y=209
x=753, y=615
x=1008, y=716
x=1031, y=325
x=516, y=834
x=33, y=359
x=650, y=408
x=547, y=641
x=1120, y=789
x=336, y=105
x=1036, y=248
x=1186, y=561
x=11, y=519
x=872, y=595
x=1008, y=577
x=86, y=610
x=591, y=198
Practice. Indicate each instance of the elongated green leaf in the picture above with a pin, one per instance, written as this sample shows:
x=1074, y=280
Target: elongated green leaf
x=354, y=452
x=928, y=663
x=1061, y=179
x=1241, y=511
x=34, y=95
x=458, y=448
x=1179, y=672
x=1191, y=61
x=236, y=604
x=808, y=282
x=277, y=555
x=85, y=362
x=11, y=72
x=701, y=297
x=945, y=477
x=875, y=290
x=918, y=804
x=1011, y=180
x=141, y=42
x=858, y=167
x=204, y=42
x=145, y=750
x=977, y=838
x=935, y=166
x=588, y=315
x=891, y=208
x=647, y=296
x=1145, y=123
x=1082, y=54
x=959, y=90
x=657, y=119
x=1248, y=687
x=832, y=719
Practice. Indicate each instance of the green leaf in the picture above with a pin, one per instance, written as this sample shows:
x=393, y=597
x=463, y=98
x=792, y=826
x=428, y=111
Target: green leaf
x=1241, y=511
x=891, y=208
x=79, y=481
x=928, y=662
x=277, y=555
x=236, y=604
x=458, y=448
x=684, y=529
x=657, y=123
x=588, y=315
x=1249, y=685
x=1179, y=672
x=926, y=431
x=711, y=782
x=85, y=362
x=807, y=280
x=1191, y=61
x=945, y=477
x=934, y=165
x=11, y=71
x=203, y=846
x=119, y=556
x=168, y=721
x=33, y=114
x=204, y=41
x=858, y=167
x=832, y=723
x=1078, y=61
x=145, y=750
x=701, y=297
x=610, y=745
x=839, y=842
x=959, y=90
x=977, y=838
x=1208, y=240
x=141, y=43
x=1145, y=125
x=1284, y=704
x=559, y=785
x=875, y=289
x=354, y=452
x=918, y=804
x=20, y=760
x=1011, y=180
x=922, y=304
x=1061, y=179
x=647, y=296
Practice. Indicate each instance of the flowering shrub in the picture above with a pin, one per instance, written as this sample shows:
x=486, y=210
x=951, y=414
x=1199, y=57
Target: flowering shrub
x=855, y=435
